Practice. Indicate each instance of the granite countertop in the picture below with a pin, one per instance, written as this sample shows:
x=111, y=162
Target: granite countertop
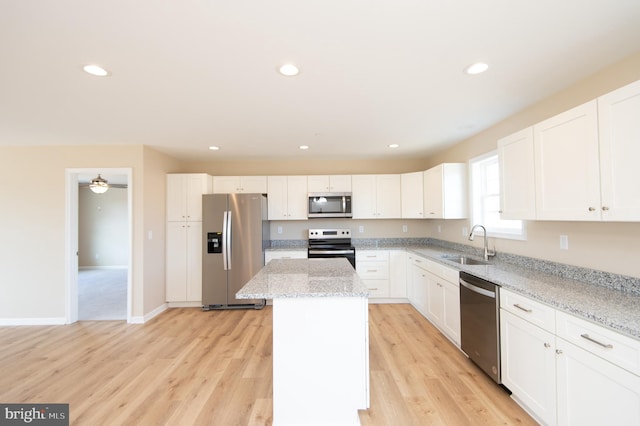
x=304, y=278
x=611, y=307
x=607, y=299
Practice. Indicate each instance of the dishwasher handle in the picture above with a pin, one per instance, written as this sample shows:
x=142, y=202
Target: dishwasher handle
x=482, y=291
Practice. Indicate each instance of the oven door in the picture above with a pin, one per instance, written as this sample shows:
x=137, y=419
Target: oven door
x=326, y=253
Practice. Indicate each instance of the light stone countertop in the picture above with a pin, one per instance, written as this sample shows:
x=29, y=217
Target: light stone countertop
x=287, y=278
x=606, y=299
x=610, y=307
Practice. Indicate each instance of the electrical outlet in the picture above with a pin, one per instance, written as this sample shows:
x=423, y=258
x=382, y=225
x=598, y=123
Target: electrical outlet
x=439, y=229
x=279, y=229
x=404, y=228
x=465, y=231
x=361, y=229
x=564, y=242
x=150, y=235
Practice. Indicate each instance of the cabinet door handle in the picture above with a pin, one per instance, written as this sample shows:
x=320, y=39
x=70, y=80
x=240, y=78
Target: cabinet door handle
x=547, y=345
x=559, y=351
x=592, y=209
x=372, y=270
x=605, y=208
x=591, y=339
x=372, y=289
x=523, y=309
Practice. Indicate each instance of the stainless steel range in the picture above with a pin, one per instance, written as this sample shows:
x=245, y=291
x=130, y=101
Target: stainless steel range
x=329, y=243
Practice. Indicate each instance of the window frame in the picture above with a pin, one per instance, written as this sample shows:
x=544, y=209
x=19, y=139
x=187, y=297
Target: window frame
x=475, y=217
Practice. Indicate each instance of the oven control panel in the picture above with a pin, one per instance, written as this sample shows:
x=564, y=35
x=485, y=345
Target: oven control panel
x=329, y=233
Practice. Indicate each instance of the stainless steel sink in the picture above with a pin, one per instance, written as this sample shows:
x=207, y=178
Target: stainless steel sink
x=465, y=260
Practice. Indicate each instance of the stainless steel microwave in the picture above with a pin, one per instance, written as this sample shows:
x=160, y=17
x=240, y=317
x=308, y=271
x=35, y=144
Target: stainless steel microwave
x=329, y=204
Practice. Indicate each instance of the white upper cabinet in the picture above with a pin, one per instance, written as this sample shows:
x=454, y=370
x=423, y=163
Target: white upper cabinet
x=445, y=191
x=412, y=195
x=586, y=160
x=184, y=196
x=376, y=196
x=333, y=183
x=287, y=197
x=619, y=121
x=567, y=165
x=240, y=184
x=517, y=177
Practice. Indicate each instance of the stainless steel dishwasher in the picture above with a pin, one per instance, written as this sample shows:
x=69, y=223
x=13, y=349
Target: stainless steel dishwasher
x=480, y=323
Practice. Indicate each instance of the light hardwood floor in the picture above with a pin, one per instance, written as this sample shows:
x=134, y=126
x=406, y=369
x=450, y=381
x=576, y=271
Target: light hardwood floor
x=191, y=367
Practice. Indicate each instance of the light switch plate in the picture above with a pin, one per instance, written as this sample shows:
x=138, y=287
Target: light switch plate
x=564, y=242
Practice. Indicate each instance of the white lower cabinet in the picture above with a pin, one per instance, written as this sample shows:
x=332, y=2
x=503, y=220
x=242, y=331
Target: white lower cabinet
x=417, y=283
x=433, y=289
x=398, y=274
x=567, y=371
x=528, y=361
x=284, y=254
x=443, y=304
x=372, y=267
x=592, y=391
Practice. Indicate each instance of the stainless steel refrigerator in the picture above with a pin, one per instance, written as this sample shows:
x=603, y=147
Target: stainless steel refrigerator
x=235, y=234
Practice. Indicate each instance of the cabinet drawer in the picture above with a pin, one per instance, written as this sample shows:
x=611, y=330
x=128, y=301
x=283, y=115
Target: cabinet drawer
x=420, y=262
x=530, y=310
x=368, y=270
x=372, y=255
x=448, y=274
x=614, y=347
x=377, y=288
x=284, y=254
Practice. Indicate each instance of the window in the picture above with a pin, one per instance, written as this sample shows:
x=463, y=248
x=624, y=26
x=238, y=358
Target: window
x=485, y=199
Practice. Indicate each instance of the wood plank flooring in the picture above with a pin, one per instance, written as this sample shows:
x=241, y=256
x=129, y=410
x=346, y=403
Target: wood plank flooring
x=188, y=367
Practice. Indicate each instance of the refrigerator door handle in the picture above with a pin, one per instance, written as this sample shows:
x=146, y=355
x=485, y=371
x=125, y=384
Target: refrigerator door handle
x=228, y=233
x=224, y=240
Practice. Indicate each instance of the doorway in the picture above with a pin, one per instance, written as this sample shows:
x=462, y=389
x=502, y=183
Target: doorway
x=99, y=246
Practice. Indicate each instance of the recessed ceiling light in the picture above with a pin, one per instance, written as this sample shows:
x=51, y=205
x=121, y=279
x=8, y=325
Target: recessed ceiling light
x=477, y=68
x=304, y=147
x=214, y=148
x=96, y=70
x=394, y=145
x=289, y=70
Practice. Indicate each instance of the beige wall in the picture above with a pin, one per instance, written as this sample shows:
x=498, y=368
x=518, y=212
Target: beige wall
x=612, y=247
x=297, y=229
x=32, y=225
x=302, y=167
x=32, y=210
x=103, y=228
x=156, y=166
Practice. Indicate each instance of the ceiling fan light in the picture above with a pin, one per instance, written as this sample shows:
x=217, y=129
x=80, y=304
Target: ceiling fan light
x=99, y=185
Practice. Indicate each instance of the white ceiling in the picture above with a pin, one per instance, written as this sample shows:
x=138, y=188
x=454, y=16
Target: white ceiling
x=192, y=73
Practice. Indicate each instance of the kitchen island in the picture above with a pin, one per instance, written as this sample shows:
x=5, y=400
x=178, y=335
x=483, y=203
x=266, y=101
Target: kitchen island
x=320, y=340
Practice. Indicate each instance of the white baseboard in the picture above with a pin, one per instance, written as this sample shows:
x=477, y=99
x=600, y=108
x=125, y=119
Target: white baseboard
x=147, y=317
x=32, y=321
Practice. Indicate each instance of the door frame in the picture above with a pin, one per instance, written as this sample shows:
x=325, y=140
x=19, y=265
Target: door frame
x=71, y=237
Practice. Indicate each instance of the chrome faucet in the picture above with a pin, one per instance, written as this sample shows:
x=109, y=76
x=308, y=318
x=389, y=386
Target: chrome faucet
x=487, y=253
